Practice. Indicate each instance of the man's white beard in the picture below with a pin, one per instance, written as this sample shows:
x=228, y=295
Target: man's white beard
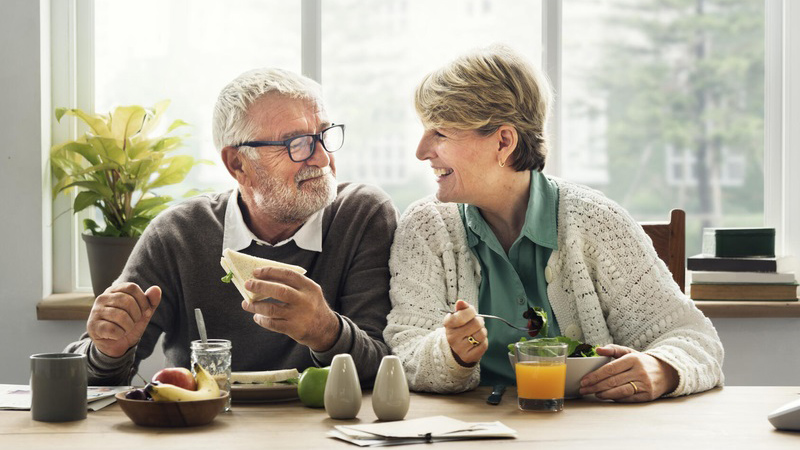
x=287, y=205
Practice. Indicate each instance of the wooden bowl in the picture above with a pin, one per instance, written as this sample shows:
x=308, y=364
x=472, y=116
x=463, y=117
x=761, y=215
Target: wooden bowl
x=148, y=413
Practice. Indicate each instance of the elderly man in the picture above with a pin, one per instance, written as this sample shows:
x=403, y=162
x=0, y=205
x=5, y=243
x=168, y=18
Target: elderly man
x=276, y=140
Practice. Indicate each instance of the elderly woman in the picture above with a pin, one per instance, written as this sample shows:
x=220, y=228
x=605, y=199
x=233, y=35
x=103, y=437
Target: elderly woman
x=504, y=237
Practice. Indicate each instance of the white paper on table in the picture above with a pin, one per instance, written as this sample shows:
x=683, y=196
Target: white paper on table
x=98, y=404
x=18, y=396
x=429, y=429
x=374, y=442
x=415, y=428
x=481, y=430
x=15, y=397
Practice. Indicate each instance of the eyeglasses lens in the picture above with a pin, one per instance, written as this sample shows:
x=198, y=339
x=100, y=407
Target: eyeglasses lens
x=302, y=147
x=333, y=138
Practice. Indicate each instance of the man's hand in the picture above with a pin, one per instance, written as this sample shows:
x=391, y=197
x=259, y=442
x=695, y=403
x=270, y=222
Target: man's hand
x=466, y=334
x=119, y=317
x=632, y=377
x=302, y=314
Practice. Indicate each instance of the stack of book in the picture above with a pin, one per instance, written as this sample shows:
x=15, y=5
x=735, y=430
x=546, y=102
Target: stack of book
x=740, y=264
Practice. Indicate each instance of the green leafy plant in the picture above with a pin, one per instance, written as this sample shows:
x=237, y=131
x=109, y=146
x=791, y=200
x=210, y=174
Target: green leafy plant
x=117, y=164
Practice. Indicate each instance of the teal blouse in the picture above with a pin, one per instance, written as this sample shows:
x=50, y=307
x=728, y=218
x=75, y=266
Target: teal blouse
x=510, y=283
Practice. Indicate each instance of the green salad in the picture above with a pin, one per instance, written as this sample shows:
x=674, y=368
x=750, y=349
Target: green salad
x=574, y=348
x=537, y=324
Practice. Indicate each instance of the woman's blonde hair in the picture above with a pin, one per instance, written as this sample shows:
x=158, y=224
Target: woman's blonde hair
x=485, y=89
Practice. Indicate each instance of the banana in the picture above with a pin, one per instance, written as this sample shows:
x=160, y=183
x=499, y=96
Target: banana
x=207, y=388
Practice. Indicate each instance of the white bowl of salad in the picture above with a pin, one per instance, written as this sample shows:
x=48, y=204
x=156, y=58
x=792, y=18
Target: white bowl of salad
x=582, y=359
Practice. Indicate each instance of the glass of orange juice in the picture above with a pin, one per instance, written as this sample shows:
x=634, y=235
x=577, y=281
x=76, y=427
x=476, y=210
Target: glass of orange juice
x=541, y=374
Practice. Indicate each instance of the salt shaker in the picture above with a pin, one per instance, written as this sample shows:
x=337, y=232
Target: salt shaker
x=390, y=397
x=342, y=390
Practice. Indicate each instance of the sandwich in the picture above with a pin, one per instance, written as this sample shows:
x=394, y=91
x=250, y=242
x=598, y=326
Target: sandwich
x=287, y=376
x=240, y=267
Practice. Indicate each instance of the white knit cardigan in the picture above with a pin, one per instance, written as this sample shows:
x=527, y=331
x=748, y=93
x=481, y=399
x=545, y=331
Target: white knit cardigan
x=606, y=285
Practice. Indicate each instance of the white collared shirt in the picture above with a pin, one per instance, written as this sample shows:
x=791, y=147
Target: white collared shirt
x=237, y=236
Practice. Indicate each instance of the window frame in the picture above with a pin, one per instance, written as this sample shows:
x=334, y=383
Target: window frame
x=72, y=63
x=72, y=82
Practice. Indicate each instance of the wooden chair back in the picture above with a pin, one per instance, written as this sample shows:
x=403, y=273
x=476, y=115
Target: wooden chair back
x=669, y=240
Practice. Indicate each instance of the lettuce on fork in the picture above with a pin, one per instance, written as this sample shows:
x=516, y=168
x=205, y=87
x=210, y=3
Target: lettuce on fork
x=537, y=323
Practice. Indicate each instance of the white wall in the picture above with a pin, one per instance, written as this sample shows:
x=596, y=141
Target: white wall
x=21, y=191
x=25, y=112
x=759, y=351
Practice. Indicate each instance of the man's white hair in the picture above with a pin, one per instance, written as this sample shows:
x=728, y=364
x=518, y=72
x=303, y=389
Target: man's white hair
x=231, y=124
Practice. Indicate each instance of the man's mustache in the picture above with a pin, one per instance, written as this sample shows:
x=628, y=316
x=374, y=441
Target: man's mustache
x=311, y=172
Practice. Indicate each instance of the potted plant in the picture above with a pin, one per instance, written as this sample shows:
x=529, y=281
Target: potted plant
x=116, y=166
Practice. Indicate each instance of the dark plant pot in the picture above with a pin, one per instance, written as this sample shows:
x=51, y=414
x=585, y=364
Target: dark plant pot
x=107, y=258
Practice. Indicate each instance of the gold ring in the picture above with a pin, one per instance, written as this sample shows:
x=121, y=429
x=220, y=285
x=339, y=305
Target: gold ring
x=473, y=341
x=635, y=389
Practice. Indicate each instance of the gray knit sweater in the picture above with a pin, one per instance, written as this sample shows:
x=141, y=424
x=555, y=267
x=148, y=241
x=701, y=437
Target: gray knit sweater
x=180, y=252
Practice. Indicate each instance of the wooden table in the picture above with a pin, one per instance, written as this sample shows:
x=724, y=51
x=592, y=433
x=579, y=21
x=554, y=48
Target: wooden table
x=729, y=418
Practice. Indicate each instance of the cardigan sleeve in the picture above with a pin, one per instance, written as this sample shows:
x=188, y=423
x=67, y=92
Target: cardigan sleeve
x=647, y=311
x=425, y=280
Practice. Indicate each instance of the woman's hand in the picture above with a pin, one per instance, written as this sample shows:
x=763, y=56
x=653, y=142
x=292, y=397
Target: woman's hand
x=466, y=334
x=632, y=377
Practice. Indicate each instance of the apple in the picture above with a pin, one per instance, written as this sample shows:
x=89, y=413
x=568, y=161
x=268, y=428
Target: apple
x=178, y=376
x=311, y=387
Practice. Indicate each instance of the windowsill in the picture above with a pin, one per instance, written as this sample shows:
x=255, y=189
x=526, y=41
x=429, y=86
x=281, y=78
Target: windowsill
x=751, y=309
x=76, y=306
x=69, y=306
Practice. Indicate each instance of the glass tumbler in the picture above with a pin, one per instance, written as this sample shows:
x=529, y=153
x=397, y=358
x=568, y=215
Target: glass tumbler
x=541, y=370
x=215, y=357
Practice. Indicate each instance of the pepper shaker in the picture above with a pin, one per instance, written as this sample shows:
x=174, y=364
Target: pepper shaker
x=390, y=397
x=342, y=390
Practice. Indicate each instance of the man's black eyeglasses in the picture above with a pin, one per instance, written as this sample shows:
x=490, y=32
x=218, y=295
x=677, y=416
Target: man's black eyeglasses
x=302, y=147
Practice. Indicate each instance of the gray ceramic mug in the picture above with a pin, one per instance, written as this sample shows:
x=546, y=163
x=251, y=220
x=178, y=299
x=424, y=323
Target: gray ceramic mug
x=58, y=387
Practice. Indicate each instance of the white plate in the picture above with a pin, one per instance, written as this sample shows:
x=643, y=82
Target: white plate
x=259, y=393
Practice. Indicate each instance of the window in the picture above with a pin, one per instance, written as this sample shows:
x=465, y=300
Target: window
x=186, y=51
x=372, y=61
x=664, y=107
x=661, y=104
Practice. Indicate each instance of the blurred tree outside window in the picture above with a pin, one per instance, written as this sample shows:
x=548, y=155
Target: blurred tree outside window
x=664, y=107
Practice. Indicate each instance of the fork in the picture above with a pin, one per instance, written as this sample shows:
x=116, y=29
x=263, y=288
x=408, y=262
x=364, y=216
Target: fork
x=489, y=316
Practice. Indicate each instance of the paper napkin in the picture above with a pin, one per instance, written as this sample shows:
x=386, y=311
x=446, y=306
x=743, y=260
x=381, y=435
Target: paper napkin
x=415, y=431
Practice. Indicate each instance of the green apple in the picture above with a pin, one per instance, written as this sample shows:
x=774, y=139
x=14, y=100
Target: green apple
x=311, y=387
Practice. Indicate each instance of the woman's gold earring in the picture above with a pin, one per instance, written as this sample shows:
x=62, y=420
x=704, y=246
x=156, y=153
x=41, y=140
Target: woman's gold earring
x=502, y=164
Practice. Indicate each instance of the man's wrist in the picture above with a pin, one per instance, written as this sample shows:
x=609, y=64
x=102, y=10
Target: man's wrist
x=107, y=353
x=329, y=335
x=104, y=362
